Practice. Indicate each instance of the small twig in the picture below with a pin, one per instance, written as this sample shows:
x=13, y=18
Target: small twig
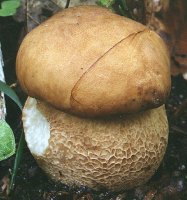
x=55, y=3
x=178, y=130
x=35, y=21
x=2, y=78
x=67, y=3
x=26, y=14
x=13, y=85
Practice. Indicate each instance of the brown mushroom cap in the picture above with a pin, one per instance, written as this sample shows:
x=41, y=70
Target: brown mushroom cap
x=117, y=153
x=91, y=62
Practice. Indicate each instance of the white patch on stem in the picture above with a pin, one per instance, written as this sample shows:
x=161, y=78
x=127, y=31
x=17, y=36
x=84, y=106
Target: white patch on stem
x=36, y=127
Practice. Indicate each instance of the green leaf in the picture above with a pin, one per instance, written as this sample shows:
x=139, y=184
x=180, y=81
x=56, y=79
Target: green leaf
x=7, y=141
x=8, y=8
x=10, y=92
x=106, y=3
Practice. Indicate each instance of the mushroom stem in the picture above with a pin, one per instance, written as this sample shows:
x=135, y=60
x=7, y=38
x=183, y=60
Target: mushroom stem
x=117, y=153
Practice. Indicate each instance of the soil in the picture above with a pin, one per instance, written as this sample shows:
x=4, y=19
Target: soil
x=169, y=182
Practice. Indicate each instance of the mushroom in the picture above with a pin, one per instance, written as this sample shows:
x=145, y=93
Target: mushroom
x=97, y=84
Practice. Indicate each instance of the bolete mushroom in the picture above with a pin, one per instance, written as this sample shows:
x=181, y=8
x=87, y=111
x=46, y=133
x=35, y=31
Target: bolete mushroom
x=89, y=62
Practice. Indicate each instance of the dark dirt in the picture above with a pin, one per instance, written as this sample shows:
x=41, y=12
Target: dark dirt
x=169, y=182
